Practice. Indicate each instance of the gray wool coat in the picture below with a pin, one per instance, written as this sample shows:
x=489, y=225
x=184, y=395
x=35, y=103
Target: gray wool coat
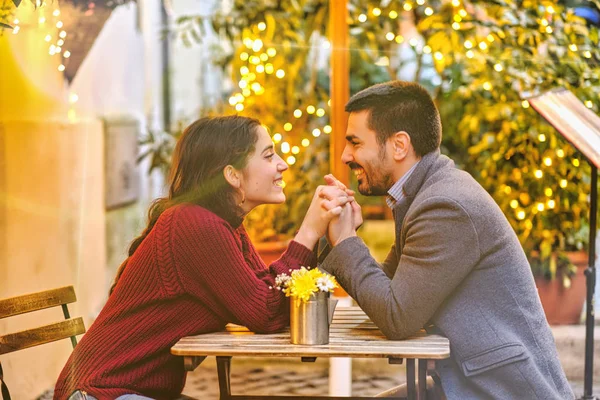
x=457, y=264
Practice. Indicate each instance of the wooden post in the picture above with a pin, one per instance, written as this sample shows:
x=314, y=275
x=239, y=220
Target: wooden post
x=340, y=86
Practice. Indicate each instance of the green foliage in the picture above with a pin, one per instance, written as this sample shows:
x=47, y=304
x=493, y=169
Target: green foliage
x=477, y=57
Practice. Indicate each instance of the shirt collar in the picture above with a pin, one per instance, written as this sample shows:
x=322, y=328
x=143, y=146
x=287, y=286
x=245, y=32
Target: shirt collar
x=396, y=194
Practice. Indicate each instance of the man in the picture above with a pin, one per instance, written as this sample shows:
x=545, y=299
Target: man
x=456, y=263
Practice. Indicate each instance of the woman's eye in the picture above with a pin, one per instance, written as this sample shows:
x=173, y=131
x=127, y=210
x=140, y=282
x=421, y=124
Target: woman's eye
x=270, y=156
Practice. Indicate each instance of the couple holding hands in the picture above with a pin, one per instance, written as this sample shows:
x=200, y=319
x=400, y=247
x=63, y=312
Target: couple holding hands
x=456, y=266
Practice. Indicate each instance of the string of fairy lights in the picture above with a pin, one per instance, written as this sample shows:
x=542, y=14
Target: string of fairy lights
x=47, y=18
x=259, y=61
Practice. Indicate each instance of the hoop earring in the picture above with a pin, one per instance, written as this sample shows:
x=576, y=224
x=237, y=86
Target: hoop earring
x=243, y=198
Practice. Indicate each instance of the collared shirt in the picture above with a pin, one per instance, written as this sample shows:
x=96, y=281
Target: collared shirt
x=396, y=194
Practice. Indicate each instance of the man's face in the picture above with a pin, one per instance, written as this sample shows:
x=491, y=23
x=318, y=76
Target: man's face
x=368, y=160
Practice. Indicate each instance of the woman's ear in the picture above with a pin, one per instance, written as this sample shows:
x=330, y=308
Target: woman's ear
x=232, y=176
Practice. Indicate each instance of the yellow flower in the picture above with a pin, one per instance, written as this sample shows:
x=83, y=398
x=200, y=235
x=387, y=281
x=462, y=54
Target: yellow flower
x=304, y=282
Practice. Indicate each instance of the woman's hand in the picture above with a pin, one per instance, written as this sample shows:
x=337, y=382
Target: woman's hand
x=356, y=210
x=326, y=204
x=341, y=227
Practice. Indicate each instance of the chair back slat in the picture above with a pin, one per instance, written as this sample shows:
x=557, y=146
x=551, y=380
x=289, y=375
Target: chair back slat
x=36, y=301
x=44, y=334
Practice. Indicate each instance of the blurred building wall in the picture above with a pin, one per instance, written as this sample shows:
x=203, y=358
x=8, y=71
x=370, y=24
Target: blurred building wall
x=54, y=229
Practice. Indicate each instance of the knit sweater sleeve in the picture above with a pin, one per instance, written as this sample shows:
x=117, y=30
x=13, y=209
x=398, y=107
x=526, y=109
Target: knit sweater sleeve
x=208, y=256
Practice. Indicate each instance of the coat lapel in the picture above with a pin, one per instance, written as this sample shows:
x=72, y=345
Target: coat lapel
x=410, y=190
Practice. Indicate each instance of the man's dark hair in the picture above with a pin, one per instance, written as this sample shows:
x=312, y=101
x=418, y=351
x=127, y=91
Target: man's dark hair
x=400, y=106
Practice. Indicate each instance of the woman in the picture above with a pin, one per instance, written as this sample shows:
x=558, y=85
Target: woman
x=194, y=269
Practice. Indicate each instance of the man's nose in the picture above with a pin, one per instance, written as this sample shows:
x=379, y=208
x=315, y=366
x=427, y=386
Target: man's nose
x=346, y=156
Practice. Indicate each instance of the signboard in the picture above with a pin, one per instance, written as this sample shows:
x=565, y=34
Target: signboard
x=121, y=170
x=577, y=123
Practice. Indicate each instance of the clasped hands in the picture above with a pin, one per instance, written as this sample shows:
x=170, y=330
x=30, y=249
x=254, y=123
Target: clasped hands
x=333, y=212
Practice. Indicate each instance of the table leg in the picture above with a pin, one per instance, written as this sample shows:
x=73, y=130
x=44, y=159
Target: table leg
x=422, y=393
x=224, y=371
x=410, y=379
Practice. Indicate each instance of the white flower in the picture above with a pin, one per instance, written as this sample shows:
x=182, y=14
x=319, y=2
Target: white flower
x=282, y=280
x=325, y=284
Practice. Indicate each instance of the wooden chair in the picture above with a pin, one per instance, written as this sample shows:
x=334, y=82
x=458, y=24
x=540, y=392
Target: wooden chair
x=43, y=334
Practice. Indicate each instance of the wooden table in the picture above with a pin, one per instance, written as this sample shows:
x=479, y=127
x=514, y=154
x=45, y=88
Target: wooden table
x=352, y=334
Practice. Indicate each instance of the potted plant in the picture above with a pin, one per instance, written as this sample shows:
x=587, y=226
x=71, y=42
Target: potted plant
x=489, y=59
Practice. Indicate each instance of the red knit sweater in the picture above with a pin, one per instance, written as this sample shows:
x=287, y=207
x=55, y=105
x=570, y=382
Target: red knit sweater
x=192, y=274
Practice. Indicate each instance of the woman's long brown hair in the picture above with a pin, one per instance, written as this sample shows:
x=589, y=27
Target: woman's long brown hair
x=204, y=149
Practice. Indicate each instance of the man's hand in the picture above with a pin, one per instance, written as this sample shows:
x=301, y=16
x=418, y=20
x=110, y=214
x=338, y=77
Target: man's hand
x=326, y=204
x=356, y=210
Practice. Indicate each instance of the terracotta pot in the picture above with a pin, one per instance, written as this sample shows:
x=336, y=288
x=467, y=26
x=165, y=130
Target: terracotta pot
x=271, y=251
x=562, y=305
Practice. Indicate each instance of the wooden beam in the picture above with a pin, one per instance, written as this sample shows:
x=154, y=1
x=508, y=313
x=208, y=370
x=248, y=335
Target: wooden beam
x=340, y=86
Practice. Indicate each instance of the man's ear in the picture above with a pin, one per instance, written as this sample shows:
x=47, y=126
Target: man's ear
x=401, y=145
x=232, y=176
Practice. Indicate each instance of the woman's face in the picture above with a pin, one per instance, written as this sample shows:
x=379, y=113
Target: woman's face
x=262, y=179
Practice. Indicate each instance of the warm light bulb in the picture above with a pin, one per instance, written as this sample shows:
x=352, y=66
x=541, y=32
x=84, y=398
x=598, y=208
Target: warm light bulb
x=262, y=26
x=573, y=47
x=483, y=45
x=257, y=45
x=61, y=68
x=295, y=150
x=269, y=68
x=487, y=86
x=376, y=12
x=563, y=183
x=310, y=109
x=327, y=129
x=438, y=56
x=548, y=29
x=320, y=112
x=589, y=104
x=575, y=162
x=56, y=13
x=538, y=173
x=468, y=44
x=277, y=137
x=587, y=54
x=514, y=204
x=59, y=24
x=525, y=104
x=540, y=206
x=271, y=52
x=264, y=57
x=542, y=137
x=16, y=30
x=285, y=147
x=470, y=54
x=42, y=20
x=551, y=204
x=548, y=161
x=548, y=192
x=521, y=215
x=239, y=107
x=73, y=98
x=60, y=42
x=316, y=132
x=260, y=68
x=426, y=49
x=67, y=54
x=287, y=127
x=390, y=36
x=393, y=14
x=498, y=67
x=305, y=142
x=455, y=26
x=48, y=38
x=429, y=11
x=291, y=160
x=407, y=7
x=63, y=34
x=297, y=113
x=362, y=17
x=560, y=153
x=550, y=9
x=399, y=39
x=280, y=73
